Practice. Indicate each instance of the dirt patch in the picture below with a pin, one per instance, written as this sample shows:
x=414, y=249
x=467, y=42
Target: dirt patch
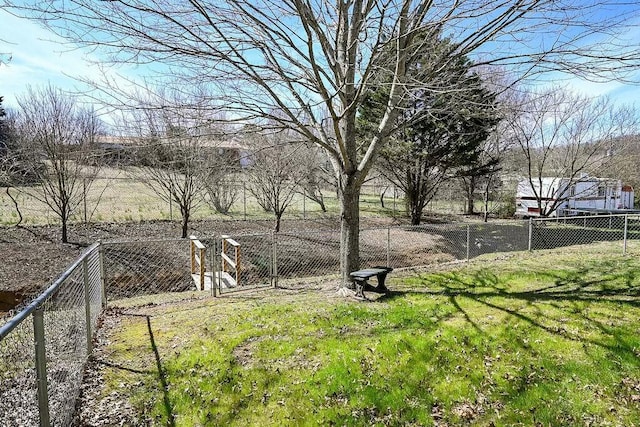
x=31, y=260
x=9, y=300
x=33, y=256
x=243, y=353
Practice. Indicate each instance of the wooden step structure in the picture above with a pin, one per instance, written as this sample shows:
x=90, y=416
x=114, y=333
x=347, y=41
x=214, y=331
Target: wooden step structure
x=229, y=275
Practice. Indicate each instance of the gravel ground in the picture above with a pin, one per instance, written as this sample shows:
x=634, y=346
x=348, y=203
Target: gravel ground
x=93, y=408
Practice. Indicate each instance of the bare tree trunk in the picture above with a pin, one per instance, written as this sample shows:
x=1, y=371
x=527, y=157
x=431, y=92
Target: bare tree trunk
x=469, y=187
x=185, y=221
x=64, y=218
x=487, y=189
x=415, y=199
x=416, y=216
x=382, y=192
x=15, y=204
x=349, y=229
x=412, y=199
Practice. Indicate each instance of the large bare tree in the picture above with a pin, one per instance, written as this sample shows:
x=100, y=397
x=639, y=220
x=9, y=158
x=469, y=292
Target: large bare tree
x=313, y=60
x=57, y=133
x=316, y=174
x=219, y=176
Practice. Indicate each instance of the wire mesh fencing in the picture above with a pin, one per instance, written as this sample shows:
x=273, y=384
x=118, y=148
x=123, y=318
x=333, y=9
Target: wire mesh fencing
x=568, y=231
x=295, y=259
x=18, y=387
x=43, y=349
x=135, y=268
x=301, y=257
x=255, y=258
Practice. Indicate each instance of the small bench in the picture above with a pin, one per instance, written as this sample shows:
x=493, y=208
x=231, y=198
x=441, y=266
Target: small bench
x=360, y=278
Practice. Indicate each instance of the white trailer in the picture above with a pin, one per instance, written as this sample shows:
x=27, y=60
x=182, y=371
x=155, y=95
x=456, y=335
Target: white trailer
x=561, y=196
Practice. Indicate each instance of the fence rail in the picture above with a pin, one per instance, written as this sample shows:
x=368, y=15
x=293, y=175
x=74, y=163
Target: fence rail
x=198, y=261
x=43, y=348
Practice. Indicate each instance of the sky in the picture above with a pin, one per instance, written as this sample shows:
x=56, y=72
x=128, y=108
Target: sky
x=38, y=58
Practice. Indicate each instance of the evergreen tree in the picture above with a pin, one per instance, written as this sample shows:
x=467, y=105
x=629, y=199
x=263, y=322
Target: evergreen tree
x=442, y=126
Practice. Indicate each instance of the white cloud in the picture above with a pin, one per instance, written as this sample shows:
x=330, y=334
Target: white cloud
x=39, y=57
x=620, y=93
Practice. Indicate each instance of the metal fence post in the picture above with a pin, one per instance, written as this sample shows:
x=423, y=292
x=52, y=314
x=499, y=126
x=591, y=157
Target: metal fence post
x=388, y=246
x=87, y=302
x=84, y=199
x=624, y=239
x=171, y=203
x=103, y=278
x=468, y=241
x=274, y=243
x=41, y=367
x=530, y=234
x=244, y=200
x=394, y=201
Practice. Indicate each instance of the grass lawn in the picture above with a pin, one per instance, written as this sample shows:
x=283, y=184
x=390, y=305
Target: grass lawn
x=547, y=338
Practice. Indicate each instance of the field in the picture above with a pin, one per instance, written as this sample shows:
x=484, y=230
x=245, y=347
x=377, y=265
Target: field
x=121, y=197
x=118, y=195
x=548, y=338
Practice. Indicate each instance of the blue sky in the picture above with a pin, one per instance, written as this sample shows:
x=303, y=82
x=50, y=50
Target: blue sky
x=39, y=58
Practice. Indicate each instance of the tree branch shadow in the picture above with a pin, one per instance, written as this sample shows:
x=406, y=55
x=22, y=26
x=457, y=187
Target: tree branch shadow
x=604, y=282
x=161, y=373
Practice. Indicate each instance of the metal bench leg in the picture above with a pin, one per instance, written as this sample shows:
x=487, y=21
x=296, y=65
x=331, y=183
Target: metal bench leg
x=381, y=286
x=360, y=285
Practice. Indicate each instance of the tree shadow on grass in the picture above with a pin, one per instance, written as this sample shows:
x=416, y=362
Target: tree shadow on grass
x=160, y=371
x=574, y=290
x=161, y=376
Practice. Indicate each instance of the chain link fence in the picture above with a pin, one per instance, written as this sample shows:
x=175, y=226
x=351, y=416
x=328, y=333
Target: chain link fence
x=569, y=231
x=145, y=267
x=43, y=349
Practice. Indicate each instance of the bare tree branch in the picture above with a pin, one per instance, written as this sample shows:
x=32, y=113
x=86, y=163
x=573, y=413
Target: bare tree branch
x=312, y=61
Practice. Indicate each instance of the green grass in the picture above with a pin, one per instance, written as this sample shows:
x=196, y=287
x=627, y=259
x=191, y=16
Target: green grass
x=549, y=338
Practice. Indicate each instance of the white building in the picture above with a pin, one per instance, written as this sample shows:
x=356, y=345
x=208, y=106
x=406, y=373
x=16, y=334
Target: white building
x=561, y=196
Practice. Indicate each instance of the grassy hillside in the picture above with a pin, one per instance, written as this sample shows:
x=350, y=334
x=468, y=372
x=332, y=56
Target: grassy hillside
x=548, y=338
